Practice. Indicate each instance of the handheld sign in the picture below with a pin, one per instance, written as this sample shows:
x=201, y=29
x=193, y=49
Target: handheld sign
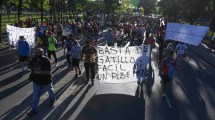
x=122, y=65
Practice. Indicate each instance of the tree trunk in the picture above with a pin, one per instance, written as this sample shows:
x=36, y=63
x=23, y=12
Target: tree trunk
x=41, y=11
x=54, y=11
x=19, y=9
x=51, y=7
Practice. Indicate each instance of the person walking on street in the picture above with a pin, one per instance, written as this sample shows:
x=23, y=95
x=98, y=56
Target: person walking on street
x=24, y=51
x=180, y=51
x=42, y=79
x=168, y=65
x=76, y=57
x=52, y=47
x=44, y=45
x=89, y=57
x=68, y=43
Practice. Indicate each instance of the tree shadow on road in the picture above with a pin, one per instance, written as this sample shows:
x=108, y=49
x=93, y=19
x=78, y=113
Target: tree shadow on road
x=20, y=110
x=113, y=107
x=149, y=82
x=190, y=85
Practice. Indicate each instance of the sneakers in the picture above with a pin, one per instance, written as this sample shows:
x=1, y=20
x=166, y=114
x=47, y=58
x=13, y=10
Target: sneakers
x=32, y=113
x=51, y=104
x=56, y=64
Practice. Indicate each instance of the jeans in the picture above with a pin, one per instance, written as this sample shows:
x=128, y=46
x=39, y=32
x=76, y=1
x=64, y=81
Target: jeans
x=37, y=90
x=90, y=66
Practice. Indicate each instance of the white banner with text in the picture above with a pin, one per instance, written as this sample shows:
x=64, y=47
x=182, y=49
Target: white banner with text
x=189, y=34
x=13, y=34
x=122, y=64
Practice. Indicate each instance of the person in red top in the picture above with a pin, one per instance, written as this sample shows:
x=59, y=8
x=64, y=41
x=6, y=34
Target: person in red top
x=28, y=22
x=20, y=23
x=168, y=66
x=151, y=41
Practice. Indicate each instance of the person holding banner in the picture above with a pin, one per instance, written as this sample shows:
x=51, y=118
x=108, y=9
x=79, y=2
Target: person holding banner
x=24, y=51
x=88, y=55
x=167, y=71
x=52, y=47
x=180, y=51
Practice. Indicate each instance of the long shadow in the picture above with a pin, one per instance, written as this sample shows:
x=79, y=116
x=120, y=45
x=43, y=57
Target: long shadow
x=12, y=78
x=8, y=68
x=44, y=111
x=150, y=78
x=113, y=107
x=61, y=108
x=7, y=52
x=68, y=114
x=15, y=88
x=190, y=88
x=17, y=111
x=11, y=90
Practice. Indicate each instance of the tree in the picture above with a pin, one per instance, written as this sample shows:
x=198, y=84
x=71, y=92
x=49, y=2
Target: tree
x=169, y=8
x=148, y=5
x=111, y=5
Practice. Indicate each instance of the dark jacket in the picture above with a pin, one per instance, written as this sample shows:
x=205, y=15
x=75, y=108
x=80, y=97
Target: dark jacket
x=41, y=70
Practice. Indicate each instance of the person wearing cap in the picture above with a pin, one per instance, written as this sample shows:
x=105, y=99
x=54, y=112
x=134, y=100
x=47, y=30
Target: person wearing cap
x=88, y=55
x=52, y=47
x=24, y=51
x=41, y=76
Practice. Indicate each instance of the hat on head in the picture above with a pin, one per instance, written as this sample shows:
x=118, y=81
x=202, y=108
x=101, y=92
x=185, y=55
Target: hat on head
x=21, y=37
x=39, y=51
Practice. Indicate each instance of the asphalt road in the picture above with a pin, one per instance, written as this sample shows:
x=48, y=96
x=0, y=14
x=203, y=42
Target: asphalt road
x=192, y=96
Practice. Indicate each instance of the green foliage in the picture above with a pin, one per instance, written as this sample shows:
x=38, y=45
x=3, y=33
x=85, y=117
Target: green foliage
x=187, y=9
x=148, y=5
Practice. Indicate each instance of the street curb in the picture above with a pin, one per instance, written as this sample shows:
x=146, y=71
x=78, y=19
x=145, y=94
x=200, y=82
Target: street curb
x=201, y=56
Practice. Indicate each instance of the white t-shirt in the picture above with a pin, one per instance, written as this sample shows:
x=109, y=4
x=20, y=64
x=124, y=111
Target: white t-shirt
x=181, y=48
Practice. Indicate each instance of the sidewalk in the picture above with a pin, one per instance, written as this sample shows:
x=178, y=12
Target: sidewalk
x=204, y=53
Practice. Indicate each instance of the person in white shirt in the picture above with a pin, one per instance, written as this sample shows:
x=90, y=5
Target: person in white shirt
x=180, y=50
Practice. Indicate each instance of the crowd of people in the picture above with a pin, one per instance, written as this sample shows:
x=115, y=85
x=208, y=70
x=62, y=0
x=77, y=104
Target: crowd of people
x=137, y=30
